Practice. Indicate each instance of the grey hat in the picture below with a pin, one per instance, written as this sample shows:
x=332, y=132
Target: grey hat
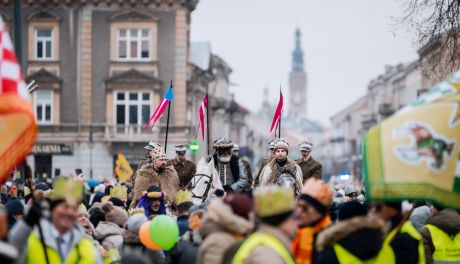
x=235, y=147
x=180, y=148
x=152, y=145
x=135, y=222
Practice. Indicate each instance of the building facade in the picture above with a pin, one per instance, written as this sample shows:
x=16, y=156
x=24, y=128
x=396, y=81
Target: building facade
x=102, y=66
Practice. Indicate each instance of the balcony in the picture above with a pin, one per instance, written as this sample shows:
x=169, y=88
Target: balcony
x=130, y=133
x=368, y=120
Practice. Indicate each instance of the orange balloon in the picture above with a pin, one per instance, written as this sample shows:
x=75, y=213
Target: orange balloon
x=144, y=236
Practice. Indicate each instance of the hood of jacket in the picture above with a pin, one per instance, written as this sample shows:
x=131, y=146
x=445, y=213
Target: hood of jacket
x=362, y=236
x=105, y=229
x=220, y=218
x=447, y=220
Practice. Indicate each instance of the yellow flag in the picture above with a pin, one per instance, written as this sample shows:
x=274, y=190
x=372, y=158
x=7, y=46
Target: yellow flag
x=122, y=168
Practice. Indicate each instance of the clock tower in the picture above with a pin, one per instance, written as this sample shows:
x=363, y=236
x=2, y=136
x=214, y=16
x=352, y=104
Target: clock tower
x=297, y=82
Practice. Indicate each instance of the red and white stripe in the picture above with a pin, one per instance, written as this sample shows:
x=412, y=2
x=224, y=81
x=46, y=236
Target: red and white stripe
x=11, y=80
x=157, y=114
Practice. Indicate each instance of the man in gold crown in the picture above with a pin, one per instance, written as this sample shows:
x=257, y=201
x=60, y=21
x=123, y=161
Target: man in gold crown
x=59, y=239
x=157, y=173
x=281, y=170
x=271, y=243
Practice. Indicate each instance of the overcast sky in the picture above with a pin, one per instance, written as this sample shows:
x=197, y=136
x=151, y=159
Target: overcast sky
x=345, y=43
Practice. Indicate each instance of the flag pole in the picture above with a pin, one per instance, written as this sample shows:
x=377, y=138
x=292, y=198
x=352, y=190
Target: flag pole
x=281, y=117
x=207, y=120
x=167, y=122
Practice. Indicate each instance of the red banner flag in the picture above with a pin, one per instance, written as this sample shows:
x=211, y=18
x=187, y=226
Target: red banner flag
x=201, y=111
x=277, y=115
x=17, y=120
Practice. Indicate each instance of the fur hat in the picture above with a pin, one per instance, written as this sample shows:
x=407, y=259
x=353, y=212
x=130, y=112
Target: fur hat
x=282, y=144
x=115, y=214
x=223, y=143
x=157, y=154
x=271, y=143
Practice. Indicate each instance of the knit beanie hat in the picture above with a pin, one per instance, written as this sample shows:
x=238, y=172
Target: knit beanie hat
x=351, y=209
x=317, y=194
x=115, y=214
x=14, y=207
x=135, y=221
x=240, y=203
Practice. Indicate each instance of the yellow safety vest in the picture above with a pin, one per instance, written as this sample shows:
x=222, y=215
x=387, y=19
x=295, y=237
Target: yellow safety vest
x=447, y=249
x=261, y=240
x=385, y=256
x=408, y=228
x=82, y=253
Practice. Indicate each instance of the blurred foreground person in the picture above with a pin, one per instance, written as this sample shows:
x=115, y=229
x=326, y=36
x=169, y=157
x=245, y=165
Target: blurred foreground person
x=356, y=238
x=183, y=204
x=64, y=240
x=312, y=217
x=271, y=242
x=8, y=253
x=441, y=236
x=227, y=221
x=281, y=170
x=403, y=238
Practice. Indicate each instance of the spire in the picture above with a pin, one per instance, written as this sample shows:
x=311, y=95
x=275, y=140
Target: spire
x=297, y=54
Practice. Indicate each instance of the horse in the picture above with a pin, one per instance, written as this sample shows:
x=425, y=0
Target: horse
x=204, y=181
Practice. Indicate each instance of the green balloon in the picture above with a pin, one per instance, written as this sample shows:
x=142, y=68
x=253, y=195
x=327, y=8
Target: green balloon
x=164, y=231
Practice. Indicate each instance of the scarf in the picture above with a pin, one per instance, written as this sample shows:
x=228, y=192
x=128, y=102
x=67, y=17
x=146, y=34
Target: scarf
x=303, y=244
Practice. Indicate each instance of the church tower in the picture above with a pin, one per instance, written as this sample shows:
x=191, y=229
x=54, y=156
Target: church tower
x=297, y=82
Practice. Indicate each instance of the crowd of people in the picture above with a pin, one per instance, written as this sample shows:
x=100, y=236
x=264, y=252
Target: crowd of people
x=284, y=214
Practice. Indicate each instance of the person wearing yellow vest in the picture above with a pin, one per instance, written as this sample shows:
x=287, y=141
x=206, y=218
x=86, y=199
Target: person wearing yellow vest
x=356, y=238
x=312, y=217
x=271, y=241
x=403, y=237
x=441, y=236
x=64, y=240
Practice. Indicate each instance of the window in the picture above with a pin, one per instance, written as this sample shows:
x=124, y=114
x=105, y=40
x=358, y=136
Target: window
x=133, y=44
x=43, y=106
x=43, y=43
x=132, y=108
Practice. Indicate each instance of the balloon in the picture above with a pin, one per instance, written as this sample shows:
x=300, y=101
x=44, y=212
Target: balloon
x=164, y=231
x=144, y=236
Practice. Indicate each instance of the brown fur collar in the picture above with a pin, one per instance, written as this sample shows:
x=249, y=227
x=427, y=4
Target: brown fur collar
x=276, y=170
x=167, y=180
x=341, y=230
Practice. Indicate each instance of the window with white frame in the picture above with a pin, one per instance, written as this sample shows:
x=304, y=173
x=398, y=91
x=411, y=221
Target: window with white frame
x=43, y=43
x=132, y=108
x=133, y=44
x=44, y=106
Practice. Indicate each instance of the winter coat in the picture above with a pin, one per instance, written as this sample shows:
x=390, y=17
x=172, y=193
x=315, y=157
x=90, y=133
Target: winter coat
x=362, y=236
x=448, y=220
x=263, y=254
x=132, y=245
x=220, y=229
x=186, y=250
x=167, y=180
x=182, y=223
x=310, y=168
x=272, y=171
x=419, y=216
x=185, y=171
x=259, y=172
x=109, y=234
x=235, y=166
x=19, y=238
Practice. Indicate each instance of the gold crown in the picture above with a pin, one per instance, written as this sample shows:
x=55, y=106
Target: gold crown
x=120, y=192
x=273, y=200
x=67, y=189
x=183, y=196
